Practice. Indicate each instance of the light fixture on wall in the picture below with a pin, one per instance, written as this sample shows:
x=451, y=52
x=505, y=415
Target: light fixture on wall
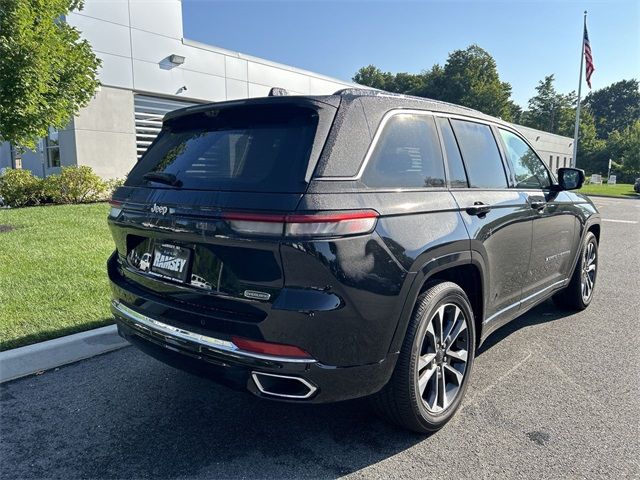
x=176, y=59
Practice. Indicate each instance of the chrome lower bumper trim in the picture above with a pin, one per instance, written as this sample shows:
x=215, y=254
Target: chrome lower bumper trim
x=311, y=389
x=146, y=323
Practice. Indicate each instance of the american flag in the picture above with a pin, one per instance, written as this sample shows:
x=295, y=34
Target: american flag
x=587, y=56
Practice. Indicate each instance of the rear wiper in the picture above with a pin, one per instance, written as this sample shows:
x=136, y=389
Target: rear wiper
x=159, y=177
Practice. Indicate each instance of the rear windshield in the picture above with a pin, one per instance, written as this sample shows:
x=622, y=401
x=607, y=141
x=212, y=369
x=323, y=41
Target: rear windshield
x=262, y=148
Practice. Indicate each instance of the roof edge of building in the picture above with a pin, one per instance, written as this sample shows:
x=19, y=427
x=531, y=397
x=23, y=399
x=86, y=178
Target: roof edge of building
x=252, y=58
x=518, y=126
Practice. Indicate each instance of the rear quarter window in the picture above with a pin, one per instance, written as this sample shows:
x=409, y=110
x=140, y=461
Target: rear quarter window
x=246, y=148
x=407, y=154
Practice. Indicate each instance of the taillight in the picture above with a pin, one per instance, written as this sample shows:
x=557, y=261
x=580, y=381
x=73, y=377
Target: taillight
x=268, y=348
x=116, y=208
x=326, y=224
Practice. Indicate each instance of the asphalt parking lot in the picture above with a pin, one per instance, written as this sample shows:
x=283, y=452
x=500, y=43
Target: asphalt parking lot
x=553, y=395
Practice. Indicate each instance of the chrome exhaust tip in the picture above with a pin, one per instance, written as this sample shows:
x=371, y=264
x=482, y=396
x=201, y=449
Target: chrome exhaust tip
x=283, y=386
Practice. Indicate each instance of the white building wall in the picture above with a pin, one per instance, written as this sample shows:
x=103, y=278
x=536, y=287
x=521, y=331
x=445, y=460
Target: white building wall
x=134, y=39
x=555, y=150
x=105, y=136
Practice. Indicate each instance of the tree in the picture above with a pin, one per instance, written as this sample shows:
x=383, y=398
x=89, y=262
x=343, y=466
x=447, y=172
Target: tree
x=551, y=111
x=431, y=83
x=624, y=148
x=47, y=72
x=372, y=76
x=407, y=83
x=516, y=112
x=615, y=107
x=471, y=79
x=592, y=152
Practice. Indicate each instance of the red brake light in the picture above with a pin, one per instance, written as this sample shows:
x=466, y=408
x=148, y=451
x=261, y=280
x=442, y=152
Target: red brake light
x=326, y=224
x=276, y=349
x=116, y=208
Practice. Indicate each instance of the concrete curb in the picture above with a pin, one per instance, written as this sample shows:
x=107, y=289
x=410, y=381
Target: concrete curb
x=612, y=196
x=23, y=361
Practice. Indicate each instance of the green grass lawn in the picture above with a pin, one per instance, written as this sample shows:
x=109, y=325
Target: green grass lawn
x=622, y=190
x=53, y=279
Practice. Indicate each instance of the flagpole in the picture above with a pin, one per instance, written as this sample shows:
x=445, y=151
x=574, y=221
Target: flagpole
x=576, y=131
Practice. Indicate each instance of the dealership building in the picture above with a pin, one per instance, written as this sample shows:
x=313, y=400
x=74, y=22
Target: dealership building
x=149, y=68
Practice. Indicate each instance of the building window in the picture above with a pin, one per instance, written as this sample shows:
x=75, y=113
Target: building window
x=565, y=161
x=52, y=149
x=16, y=157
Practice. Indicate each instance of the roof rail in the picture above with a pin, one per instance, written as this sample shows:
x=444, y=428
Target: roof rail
x=278, y=92
x=372, y=92
x=359, y=91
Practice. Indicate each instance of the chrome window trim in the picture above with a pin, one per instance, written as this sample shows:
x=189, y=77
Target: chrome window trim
x=224, y=346
x=403, y=111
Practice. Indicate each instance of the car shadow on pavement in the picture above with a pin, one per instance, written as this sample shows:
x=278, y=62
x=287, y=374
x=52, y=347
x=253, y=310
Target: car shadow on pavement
x=546, y=312
x=125, y=415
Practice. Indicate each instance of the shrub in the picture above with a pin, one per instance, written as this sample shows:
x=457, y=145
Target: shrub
x=19, y=188
x=76, y=185
x=111, y=185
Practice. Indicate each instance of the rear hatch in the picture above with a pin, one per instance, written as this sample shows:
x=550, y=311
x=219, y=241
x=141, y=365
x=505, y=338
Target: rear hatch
x=182, y=222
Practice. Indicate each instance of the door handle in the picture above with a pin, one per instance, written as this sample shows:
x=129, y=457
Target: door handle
x=479, y=209
x=538, y=205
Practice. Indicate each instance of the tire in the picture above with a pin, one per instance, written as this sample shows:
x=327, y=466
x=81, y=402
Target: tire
x=402, y=401
x=573, y=295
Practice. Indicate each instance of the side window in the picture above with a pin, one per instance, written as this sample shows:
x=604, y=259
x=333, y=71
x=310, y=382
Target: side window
x=407, y=154
x=457, y=175
x=529, y=169
x=481, y=155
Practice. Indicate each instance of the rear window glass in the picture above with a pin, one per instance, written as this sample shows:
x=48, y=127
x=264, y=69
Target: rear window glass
x=247, y=148
x=407, y=154
x=480, y=154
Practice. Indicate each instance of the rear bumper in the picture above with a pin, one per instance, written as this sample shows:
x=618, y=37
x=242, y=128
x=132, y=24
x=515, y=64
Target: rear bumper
x=276, y=378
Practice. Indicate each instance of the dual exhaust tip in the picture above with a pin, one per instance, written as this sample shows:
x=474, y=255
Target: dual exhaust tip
x=283, y=386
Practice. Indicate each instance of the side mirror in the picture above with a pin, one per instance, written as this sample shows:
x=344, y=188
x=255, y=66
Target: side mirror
x=570, y=178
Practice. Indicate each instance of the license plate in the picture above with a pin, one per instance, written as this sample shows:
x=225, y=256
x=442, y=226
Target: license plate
x=171, y=261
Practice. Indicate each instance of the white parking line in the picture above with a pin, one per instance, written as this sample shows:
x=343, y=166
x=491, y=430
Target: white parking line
x=618, y=221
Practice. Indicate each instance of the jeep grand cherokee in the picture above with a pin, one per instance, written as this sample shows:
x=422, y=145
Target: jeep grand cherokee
x=322, y=248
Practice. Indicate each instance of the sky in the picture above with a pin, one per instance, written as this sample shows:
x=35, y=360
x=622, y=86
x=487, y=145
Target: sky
x=527, y=39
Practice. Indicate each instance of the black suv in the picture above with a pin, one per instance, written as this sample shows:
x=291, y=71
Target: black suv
x=322, y=248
